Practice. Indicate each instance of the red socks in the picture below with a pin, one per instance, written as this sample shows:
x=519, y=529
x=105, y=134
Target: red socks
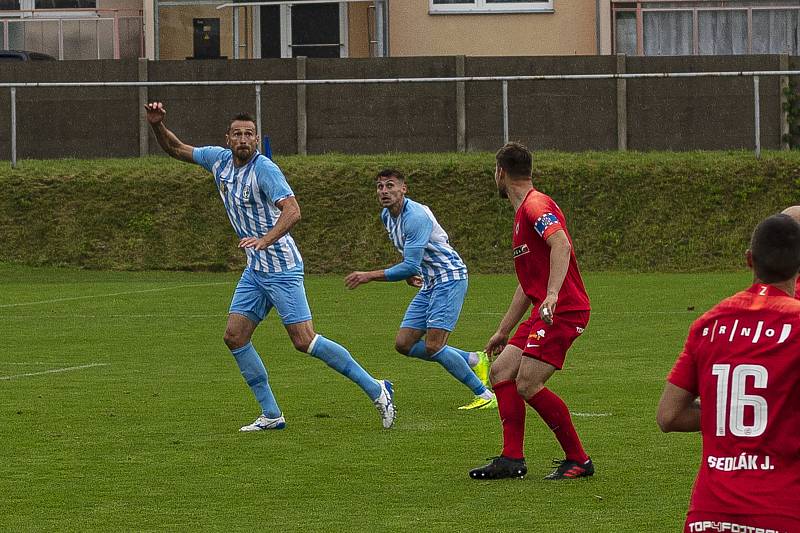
x=550, y=407
x=512, y=415
x=554, y=412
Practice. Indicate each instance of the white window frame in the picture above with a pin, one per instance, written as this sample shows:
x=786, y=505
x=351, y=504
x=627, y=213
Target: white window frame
x=482, y=6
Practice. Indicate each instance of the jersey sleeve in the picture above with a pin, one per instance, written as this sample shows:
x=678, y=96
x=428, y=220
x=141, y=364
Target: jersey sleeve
x=684, y=372
x=417, y=228
x=273, y=182
x=412, y=259
x=206, y=156
x=543, y=219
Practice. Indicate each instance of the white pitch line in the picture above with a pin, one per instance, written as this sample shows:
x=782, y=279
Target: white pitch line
x=590, y=414
x=31, y=363
x=53, y=371
x=108, y=295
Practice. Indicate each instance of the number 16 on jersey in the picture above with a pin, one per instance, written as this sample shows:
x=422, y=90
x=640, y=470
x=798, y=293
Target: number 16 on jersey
x=732, y=400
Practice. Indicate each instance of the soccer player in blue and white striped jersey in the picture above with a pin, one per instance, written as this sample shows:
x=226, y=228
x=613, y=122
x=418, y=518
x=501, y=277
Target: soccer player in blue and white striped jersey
x=262, y=209
x=431, y=263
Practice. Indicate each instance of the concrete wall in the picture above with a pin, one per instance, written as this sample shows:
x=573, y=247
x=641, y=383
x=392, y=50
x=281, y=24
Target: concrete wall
x=385, y=117
x=685, y=114
x=702, y=113
x=558, y=115
x=71, y=122
x=200, y=115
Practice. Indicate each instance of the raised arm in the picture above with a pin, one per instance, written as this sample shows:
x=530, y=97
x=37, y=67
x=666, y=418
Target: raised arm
x=168, y=141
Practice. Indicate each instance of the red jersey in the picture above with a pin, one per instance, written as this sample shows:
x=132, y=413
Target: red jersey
x=797, y=288
x=537, y=218
x=742, y=358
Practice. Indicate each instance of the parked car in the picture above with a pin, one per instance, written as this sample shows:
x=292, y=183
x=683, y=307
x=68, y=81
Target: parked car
x=23, y=55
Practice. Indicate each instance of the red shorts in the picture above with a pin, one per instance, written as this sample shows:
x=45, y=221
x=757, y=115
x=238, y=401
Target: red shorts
x=549, y=343
x=731, y=523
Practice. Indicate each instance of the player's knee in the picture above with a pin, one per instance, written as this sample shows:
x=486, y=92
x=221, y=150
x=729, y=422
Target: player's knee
x=402, y=347
x=234, y=339
x=495, y=374
x=301, y=344
x=433, y=347
x=528, y=389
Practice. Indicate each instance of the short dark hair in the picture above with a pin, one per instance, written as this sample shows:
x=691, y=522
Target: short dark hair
x=775, y=249
x=390, y=173
x=243, y=117
x=515, y=159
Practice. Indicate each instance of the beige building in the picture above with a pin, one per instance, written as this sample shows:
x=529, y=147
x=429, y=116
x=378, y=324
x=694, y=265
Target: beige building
x=482, y=28
x=397, y=28
x=197, y=29
x=364, y=28
x=269, y=29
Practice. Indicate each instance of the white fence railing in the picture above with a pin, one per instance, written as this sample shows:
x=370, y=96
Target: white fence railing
x=503, y=80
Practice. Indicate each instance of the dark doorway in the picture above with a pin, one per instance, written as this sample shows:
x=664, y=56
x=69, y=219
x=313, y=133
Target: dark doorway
x=206, y=38
x=315, y=30
x=270, y=31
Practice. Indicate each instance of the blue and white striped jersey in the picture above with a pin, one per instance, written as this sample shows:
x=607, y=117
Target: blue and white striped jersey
x=249, y=194
x=416, y=227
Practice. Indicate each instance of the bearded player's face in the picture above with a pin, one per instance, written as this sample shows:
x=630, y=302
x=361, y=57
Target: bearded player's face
x=243, y=139
x=499, y=179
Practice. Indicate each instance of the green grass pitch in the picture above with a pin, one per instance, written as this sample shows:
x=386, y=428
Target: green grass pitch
x=146, y=439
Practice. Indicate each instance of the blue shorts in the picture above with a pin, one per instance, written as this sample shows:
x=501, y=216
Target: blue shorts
x=258, y=292
x=436, y=307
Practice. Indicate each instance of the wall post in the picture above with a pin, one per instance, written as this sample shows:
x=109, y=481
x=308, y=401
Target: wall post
x=784, y=101
x=13, y=127
x=622, y=106
x=144, y=131
x=461, y=106
x=302, y=119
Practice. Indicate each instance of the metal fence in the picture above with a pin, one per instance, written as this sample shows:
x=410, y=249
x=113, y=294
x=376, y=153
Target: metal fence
x=502, y=80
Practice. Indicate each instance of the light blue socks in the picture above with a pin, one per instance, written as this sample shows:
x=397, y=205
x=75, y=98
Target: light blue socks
x=338, y=358
x=452, y=360
x=464, y=355
x=255, y=375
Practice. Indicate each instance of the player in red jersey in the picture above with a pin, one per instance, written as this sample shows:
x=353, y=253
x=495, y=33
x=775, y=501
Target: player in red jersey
x=549, y=279
x=794, y=212
x=742, y=360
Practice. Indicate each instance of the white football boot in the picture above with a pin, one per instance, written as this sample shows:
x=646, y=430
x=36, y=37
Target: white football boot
x=262, y=422
x=385, y=404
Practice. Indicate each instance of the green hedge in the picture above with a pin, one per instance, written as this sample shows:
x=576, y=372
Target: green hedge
x=628, y=212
